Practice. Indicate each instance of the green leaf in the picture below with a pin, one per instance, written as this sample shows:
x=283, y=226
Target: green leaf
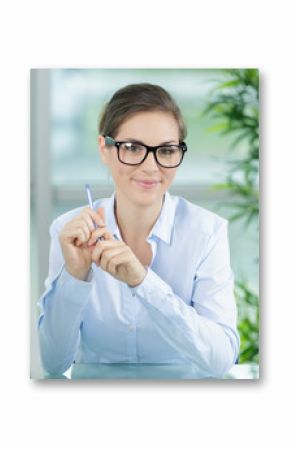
x=230, y=83
x=248, y=353
x=244, y=135
x=217, y=127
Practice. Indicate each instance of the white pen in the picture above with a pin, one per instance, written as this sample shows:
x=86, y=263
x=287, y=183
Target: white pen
x=90, y=201
x=89, y=195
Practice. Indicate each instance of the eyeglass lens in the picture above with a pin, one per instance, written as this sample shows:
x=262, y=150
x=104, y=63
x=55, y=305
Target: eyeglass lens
x=132, y=153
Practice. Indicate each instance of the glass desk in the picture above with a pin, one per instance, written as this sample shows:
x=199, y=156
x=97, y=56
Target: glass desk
x=149, y=371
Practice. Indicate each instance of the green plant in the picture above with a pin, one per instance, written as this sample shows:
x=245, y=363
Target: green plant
x=248, y=326
x=234, y=104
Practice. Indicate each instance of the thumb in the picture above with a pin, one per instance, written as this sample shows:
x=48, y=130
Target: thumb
x=101, y=211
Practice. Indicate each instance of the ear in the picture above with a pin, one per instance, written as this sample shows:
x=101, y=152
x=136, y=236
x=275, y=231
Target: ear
x=103, y=150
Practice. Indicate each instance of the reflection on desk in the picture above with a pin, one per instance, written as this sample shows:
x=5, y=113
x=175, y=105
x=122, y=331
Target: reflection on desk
x=149, y=371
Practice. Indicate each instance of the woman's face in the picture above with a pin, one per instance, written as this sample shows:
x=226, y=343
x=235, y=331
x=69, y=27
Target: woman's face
x=151, y=128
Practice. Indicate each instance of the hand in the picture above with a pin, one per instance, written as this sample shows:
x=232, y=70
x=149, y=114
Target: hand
x=74, y=239
x=117, y=259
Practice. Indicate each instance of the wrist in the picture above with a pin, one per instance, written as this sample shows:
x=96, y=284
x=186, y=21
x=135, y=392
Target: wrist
x=138, y=282
x=81, y=275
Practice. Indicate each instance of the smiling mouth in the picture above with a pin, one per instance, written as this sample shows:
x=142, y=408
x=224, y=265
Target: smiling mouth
x=147, y=184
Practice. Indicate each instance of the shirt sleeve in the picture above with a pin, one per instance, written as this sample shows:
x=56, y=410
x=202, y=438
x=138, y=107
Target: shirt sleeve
x=61, y=305
x=205, y=331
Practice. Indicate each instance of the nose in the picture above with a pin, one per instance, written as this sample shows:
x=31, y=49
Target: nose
x=150, y=162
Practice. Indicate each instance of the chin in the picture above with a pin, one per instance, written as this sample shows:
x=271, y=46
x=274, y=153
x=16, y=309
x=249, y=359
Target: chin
x=148, y=198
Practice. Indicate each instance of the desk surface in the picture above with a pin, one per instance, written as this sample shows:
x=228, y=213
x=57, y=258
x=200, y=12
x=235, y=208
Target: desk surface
x=148, y=371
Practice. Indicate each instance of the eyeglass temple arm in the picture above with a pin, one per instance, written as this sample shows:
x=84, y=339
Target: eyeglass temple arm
x=109, y=140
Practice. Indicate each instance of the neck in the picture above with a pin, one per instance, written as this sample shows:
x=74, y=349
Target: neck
x=134, y=221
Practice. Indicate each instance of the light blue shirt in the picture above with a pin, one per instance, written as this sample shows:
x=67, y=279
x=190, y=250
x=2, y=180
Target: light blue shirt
x=184, y=311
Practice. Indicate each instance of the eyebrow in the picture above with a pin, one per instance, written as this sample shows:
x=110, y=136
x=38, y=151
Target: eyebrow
x=129, y=139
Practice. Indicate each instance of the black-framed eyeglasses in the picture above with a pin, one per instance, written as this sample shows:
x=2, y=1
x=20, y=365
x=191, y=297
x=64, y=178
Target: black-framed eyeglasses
x=135, y=153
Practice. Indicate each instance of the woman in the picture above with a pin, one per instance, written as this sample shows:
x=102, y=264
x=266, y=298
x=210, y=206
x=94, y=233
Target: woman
x=158, y=287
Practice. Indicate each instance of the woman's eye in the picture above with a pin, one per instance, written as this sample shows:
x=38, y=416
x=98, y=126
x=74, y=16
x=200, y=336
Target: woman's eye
x=167, y=151
x=133, y=148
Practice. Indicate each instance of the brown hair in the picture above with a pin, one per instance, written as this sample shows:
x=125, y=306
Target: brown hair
x=138, y=98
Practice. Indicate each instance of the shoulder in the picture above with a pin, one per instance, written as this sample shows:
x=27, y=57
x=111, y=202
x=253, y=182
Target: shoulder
x=190, y=217
x=60, y=221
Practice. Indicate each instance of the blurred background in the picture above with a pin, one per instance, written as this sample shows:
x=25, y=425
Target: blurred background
x=219, y=171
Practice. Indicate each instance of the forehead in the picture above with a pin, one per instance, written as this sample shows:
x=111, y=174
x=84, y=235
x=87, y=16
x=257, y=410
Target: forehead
x=150, y=127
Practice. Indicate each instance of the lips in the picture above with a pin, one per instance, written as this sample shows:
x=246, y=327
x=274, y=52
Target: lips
x=147, y=183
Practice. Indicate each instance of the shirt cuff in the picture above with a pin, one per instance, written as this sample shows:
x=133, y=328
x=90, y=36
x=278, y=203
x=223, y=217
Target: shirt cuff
x=74, y=289
x=153, y=289
x=66, y=276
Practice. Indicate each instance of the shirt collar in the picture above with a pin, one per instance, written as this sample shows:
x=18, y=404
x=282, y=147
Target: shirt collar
x=162, y=229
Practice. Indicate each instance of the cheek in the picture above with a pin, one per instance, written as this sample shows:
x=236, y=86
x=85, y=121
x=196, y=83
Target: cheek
x=170, y=176
x=121, y=172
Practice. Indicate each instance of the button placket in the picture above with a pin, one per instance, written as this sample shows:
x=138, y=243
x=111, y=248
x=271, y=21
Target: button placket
x=130, y=314
x=154, y=244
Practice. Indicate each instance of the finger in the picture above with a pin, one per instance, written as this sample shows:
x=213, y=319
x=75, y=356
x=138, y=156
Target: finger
x=101, y=212
x=83, y=232
x=102, y=246
x=97, y=219
x=86, y=228
x=79, y=222
x=117, y=260
x=109, y=255
x=74, y=232
x=79, y=237
x=111, y=243
x=100, y=232
x=84, y=216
